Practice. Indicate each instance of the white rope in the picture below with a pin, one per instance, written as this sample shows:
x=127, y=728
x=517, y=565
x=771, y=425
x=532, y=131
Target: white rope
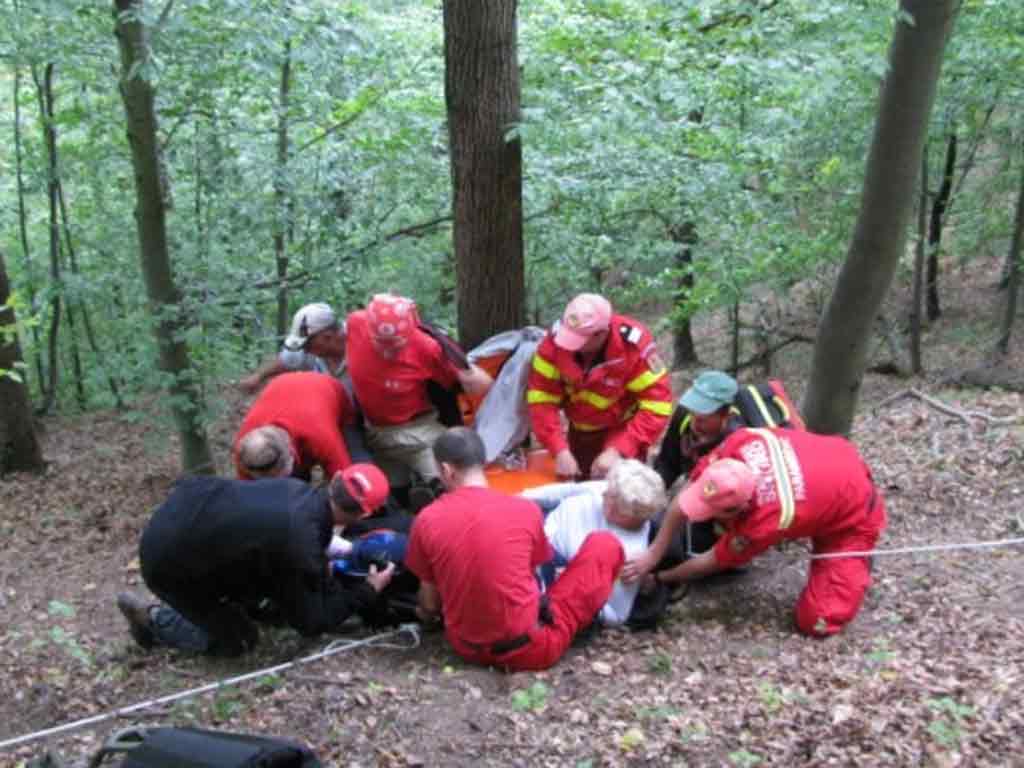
x=337, y=646
x=922, y=548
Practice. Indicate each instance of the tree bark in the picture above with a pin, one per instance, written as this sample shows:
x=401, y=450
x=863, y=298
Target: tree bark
x=905, y=103
x=19, y=445
x=916, y=365
x=44, y=92
x=1013, y=271
x=935, y=223
x=482, y=98
x=684, y=350
x=150, y=213
x=282, y=209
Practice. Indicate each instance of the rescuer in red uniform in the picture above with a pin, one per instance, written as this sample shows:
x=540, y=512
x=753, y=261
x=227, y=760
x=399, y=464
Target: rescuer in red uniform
x=604, y=371
x=766, y=485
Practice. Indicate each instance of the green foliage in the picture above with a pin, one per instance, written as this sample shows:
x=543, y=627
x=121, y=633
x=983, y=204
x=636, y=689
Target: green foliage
x=532, y=699
x=948, y=726
x=745, y=759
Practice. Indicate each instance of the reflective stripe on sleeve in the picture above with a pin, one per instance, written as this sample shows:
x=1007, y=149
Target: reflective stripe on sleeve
x=787, y=502
x=545, y=369
x=537, y=397
x=659, y=407
x=644, y=380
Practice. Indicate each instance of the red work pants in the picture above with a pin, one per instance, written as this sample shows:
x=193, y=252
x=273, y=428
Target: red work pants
x=836, y=586
x=574, y=599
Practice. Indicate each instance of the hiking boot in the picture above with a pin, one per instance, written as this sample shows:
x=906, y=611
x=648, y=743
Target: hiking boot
x=136, y=612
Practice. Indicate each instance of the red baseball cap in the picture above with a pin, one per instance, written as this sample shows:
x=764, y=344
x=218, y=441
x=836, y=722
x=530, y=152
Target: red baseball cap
x=392, y=317
x=367, y=485
x=726, y=484
x=585, y=316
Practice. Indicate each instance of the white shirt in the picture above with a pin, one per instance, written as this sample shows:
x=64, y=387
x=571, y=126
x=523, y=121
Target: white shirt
x=581, y=514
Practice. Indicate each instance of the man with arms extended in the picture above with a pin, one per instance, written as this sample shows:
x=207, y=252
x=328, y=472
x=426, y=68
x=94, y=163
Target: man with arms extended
x=392, y=360
x=767, y=485
x=604, y=370
x=475, y=552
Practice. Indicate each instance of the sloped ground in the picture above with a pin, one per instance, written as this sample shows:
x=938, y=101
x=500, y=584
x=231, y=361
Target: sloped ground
x=929, y=674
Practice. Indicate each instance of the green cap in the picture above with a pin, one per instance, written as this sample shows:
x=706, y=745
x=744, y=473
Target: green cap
x=710, y=391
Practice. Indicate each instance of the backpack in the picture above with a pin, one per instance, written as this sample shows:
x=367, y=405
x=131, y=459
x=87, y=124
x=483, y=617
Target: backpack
x=767, y=405
x=200, y=748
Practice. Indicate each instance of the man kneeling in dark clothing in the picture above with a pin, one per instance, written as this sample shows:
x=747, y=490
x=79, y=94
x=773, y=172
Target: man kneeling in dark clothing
x=218, y=550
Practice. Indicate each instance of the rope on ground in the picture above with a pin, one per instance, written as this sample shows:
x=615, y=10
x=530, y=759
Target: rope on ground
x=923, y=548
x=337, y=646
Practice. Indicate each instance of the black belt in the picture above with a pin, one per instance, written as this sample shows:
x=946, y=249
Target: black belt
x=519, y=641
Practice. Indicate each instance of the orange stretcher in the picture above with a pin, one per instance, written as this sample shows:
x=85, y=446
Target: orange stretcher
x=539, y=470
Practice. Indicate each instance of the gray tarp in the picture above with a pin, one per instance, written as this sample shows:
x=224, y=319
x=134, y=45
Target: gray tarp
x=502, y=421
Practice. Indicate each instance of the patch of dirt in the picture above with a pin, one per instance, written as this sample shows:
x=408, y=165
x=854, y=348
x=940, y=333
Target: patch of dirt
x=929, y=673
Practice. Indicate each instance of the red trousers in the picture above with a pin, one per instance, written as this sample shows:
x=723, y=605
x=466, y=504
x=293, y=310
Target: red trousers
x=574, y=599
x=836, y=586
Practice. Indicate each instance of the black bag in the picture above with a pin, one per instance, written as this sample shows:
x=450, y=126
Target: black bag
x=767, y=405
x=199, y=748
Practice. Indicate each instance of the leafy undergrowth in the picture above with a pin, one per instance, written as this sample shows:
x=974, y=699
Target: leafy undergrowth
x=929, y=674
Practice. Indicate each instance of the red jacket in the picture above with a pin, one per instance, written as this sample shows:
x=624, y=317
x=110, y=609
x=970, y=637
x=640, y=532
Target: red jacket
x=808, y=486
x=626, y=393
x=312, y=408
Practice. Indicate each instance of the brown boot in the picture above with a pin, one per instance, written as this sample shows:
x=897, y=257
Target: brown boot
x=136, y=612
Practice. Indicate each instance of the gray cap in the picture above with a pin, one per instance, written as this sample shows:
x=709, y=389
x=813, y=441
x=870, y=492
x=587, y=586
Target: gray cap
x=709, y=392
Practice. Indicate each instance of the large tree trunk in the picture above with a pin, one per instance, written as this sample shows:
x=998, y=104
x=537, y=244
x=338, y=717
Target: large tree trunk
x=1013, y=271
x=482, y=96
x=905, y=104
x=164, y=297
x=19, y=446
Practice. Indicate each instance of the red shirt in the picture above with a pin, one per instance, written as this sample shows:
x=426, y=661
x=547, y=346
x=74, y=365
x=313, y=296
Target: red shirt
x=394, y=391
x=312, y=408
x=480, y=548
x=627, y=392
x=811, y=486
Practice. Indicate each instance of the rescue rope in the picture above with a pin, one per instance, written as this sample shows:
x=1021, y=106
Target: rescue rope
x=923, y=548
x=993, y=544
x=336, y=646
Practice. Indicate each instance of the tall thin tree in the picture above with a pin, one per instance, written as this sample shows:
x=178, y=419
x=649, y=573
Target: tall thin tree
x=905, y=103
x=151, y=219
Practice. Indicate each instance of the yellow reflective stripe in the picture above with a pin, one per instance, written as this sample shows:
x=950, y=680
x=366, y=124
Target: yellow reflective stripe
x=544, y=368
x=643, y=381
x=536, y=397
x=787, y=501
x=762, y=406
x=781, y=477
x=781, y=405
x=579, y=427
x=659, y=407
x=685, y=422
x=600, y=402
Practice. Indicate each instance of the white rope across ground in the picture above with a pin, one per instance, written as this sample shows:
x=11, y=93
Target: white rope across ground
x=923, y=548
x=337, y=646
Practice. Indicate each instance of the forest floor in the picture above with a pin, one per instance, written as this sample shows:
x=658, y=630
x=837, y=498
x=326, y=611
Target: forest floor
x=930, y=673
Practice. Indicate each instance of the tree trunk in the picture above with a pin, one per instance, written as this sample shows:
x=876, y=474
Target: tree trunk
x=684, y=350
x=44, y=92
x=150, y=213
x=935, y=228
x=1013, y=271
x=281, y=184
x=905, y=103
x=916, y=366
x=19, y=445
x=30, y=280
x=482, y=98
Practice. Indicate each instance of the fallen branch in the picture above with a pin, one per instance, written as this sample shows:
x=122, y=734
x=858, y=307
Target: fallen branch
x=942, y=407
